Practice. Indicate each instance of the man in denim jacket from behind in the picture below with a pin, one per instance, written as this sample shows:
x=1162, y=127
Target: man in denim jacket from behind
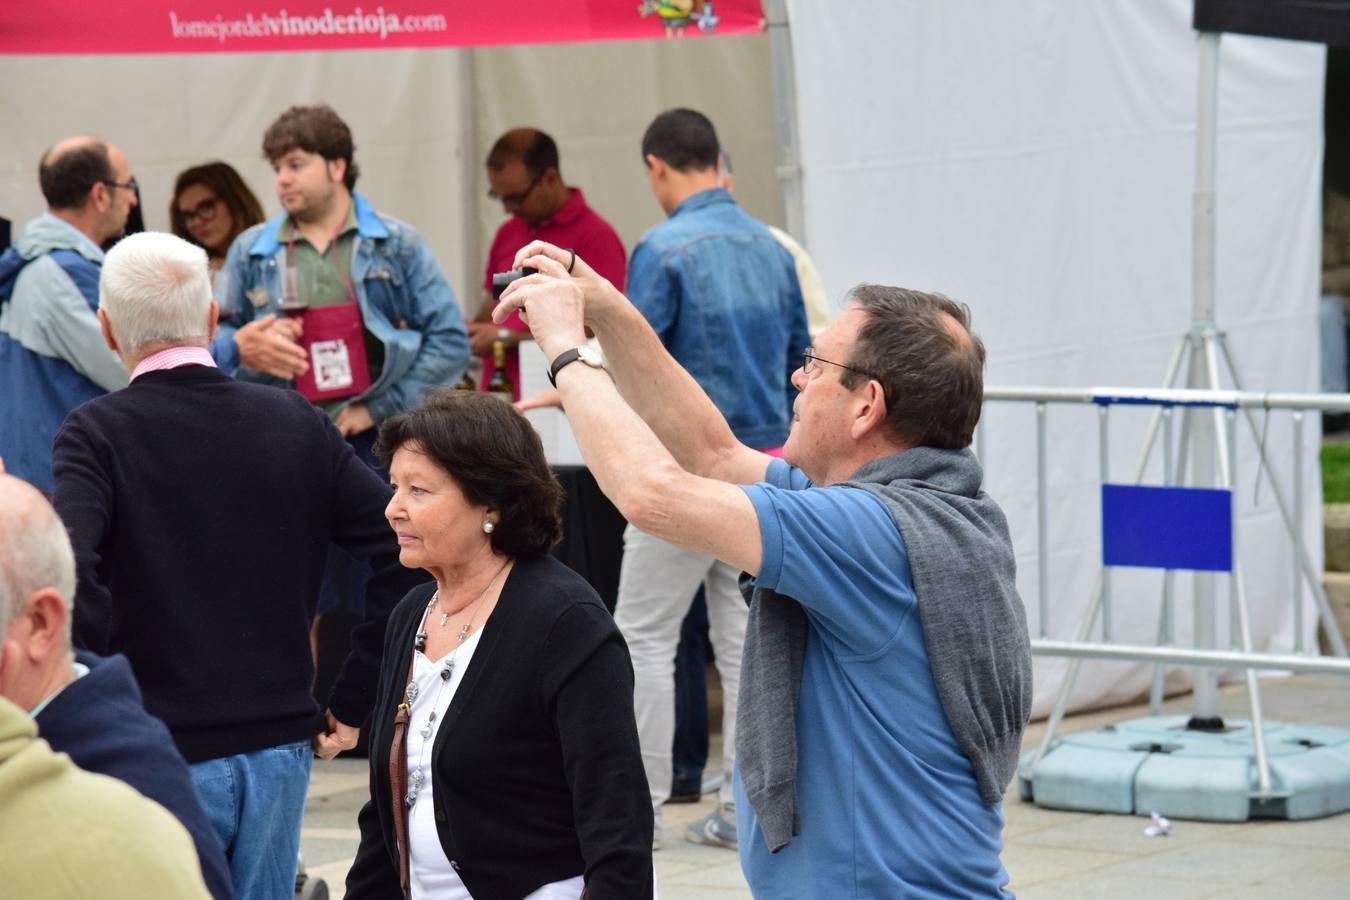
x=410, y=319
x=722, y=294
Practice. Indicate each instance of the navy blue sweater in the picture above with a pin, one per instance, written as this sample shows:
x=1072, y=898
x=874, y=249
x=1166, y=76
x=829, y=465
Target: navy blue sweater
x=99, y=722
x=201, y=509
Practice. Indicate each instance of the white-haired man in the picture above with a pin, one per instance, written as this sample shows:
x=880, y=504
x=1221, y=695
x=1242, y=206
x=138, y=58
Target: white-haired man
x=201, y=508
x=67, y=832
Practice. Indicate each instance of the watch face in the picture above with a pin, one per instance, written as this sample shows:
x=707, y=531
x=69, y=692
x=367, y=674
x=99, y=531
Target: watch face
x=590, y=357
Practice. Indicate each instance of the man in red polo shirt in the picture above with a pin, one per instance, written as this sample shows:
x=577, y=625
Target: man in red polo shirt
x=523, y=172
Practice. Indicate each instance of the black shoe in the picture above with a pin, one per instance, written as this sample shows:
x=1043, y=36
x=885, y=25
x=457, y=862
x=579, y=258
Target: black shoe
x=685, y=790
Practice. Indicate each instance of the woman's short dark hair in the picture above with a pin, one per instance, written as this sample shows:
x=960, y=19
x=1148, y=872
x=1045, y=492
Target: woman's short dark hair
x=313, y=129
x=496, y=458
x=930, y=365
x=222, y=180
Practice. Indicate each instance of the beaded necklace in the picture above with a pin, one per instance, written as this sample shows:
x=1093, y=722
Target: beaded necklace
x=417, y=778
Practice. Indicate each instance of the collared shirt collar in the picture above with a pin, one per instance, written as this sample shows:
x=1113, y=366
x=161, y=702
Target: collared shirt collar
x=368, y=225
x=702, y=199
x=569, y=212
x=173, y=358
x=349, y=224
x=81, y=670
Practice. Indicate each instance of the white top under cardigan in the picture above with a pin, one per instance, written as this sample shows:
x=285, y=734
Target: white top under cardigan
x=429, y=872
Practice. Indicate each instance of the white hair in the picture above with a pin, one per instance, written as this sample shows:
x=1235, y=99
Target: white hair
x=155, y=288
x=35, y=550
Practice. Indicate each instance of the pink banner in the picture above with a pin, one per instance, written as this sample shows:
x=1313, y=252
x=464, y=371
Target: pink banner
x=247, y=26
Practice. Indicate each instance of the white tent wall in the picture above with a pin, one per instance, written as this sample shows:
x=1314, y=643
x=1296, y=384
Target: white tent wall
x=407, y=110
x=1037, y=161
x=423, y=121
x=597, y=99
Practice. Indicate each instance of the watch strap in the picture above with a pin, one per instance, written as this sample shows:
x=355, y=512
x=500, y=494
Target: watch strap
x=564, y=358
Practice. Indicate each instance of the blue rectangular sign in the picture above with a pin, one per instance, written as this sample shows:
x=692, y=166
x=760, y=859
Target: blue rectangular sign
x=1167, y=527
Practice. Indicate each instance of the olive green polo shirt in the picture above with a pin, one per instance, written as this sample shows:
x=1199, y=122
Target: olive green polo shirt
x=321, y=279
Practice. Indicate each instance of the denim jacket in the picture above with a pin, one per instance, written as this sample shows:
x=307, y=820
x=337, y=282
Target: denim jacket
x=723, y=296
x=405, y=302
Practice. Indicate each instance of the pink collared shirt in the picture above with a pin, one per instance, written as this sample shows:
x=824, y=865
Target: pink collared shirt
x=173, y=358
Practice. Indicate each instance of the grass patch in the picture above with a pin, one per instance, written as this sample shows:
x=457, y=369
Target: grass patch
x=1336, y=473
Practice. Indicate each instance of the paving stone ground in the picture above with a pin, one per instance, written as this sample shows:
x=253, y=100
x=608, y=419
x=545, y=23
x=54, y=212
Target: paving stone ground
x=1049, y=854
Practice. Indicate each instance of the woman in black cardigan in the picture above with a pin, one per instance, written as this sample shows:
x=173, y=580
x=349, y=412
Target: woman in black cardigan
x=517, y=755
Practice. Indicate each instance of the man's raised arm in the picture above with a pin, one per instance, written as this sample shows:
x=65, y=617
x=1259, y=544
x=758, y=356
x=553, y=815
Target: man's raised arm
x=657, y=387
x=651, y=489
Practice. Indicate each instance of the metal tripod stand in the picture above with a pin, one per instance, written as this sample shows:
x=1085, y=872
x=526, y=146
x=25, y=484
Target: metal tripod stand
x=1208, y=448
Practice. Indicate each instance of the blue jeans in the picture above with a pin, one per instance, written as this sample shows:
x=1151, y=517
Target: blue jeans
x=255, y=802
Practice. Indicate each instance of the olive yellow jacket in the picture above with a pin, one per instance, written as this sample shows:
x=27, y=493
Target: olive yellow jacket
x=67, y=833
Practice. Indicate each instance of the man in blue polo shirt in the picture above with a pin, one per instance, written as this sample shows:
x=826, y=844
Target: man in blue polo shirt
x=886, y=681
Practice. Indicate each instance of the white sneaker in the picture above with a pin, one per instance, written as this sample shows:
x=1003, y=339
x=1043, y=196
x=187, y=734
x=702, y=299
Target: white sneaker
x=716, y=829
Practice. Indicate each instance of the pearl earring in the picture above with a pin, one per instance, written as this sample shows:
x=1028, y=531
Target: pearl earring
x=488, y=526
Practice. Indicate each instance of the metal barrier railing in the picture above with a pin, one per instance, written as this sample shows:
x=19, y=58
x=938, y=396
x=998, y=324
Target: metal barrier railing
x=1208, y=436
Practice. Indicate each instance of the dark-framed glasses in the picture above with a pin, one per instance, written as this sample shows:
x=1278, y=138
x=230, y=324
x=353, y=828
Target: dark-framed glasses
x=811, y=363
x=517, y=198
x=129, y=185
x=203, y=212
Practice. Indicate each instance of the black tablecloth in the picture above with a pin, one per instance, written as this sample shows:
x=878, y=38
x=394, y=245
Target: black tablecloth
x=592, y=544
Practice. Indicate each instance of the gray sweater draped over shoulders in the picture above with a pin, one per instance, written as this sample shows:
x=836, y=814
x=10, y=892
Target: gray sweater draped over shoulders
x=974, y=628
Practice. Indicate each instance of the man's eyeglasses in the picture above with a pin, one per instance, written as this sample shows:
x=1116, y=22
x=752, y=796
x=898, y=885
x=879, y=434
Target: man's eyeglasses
x=203, y=212
x=517, y=198
x=811, y=363
x=130, y=185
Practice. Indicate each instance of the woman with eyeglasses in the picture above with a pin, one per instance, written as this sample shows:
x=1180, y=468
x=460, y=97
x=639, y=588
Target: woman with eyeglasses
x=211, y=206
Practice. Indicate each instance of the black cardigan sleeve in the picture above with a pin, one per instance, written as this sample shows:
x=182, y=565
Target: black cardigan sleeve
x=374, y=874
x=587, y=680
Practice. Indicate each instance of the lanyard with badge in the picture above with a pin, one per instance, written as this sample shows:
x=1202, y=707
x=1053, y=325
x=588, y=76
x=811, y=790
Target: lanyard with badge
x=332, y=336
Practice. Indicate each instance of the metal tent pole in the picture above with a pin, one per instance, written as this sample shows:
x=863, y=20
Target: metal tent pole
x=1202, y=375
x=785, y=117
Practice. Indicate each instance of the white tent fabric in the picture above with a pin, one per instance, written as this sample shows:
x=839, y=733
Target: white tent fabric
x=407, y=111
x=423, y=121
x=1036, y=161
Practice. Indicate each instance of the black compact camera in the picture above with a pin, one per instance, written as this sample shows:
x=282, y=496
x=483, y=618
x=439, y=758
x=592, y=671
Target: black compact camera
x=501, y=279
